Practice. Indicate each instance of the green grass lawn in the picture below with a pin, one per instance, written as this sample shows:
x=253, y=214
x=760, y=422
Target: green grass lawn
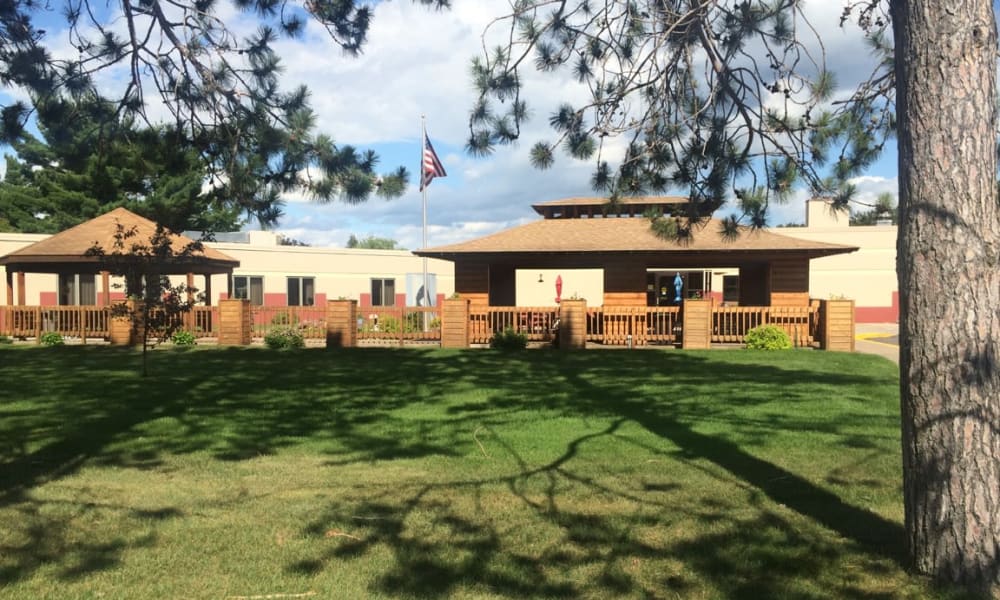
x=429, y=473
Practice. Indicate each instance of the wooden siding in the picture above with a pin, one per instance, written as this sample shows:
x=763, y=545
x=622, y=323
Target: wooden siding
x=472, y=279
x=790, y=275
x=754, y=285
x=624, y=298
x=624, y=276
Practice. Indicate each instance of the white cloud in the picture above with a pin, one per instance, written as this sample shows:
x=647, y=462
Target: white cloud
x=416, y=62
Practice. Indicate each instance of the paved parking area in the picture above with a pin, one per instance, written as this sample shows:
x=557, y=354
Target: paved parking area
x=878, y=338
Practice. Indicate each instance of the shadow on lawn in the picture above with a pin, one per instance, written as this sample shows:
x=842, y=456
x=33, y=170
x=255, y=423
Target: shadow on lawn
x=241, y=403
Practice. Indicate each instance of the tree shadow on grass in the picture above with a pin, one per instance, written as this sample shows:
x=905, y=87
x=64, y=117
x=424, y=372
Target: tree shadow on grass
x=594, y=536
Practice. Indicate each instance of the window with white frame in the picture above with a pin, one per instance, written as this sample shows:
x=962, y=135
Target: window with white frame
x=249, y=287
x=383, y=292
x=301, y=291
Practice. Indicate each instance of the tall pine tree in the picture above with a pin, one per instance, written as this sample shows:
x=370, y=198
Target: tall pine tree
x=733, y=102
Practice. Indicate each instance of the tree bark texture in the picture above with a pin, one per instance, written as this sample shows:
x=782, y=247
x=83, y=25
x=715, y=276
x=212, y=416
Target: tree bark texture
x=949, y=284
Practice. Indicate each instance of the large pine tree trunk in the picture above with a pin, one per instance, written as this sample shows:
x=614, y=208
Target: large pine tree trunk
x=949, y=283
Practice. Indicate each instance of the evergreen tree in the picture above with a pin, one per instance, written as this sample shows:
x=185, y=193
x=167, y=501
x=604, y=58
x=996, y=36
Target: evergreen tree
x=733, y=100
x=64, y=179
x=222, y=91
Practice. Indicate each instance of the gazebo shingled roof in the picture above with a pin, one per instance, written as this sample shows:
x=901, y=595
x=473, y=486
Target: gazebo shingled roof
x=626, y=235
x=68, y=250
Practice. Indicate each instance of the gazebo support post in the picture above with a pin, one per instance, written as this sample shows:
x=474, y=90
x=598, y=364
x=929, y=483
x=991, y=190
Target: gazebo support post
x=106, y=288
x=208, y=289
x=20, y=289
x=10, y=288
x=189, y=318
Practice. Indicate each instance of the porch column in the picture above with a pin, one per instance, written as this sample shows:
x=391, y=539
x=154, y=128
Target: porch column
x=189, y=315
x=10, y=288
x=208, y=289
x=455, y=323
x=697, y=324
x=21, y=294
x=106, y=287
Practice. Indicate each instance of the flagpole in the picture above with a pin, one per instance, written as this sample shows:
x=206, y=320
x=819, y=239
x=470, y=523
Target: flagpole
x=423, y=149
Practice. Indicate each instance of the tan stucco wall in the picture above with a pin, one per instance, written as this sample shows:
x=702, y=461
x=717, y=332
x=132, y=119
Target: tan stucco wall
x=338, y=271
x=867, y=276
x=580, y=283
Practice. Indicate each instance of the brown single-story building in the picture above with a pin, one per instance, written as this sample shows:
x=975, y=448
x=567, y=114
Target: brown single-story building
x=638, y=267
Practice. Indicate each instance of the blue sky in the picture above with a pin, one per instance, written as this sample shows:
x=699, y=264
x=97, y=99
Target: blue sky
x=416, y=63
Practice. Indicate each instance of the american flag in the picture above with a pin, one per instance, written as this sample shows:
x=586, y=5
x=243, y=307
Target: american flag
x=432, y=166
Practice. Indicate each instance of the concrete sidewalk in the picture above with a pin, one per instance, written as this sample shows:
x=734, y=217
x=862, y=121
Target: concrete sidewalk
x=878, y=338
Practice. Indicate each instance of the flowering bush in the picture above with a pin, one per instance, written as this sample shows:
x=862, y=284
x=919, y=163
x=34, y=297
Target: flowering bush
x=284, y=338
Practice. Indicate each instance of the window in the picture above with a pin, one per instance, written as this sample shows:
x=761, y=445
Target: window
x=248, y=287
x=77, y=290
x=383, y=292
x=301, y=291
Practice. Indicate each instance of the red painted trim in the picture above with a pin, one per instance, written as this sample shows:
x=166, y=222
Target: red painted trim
x=876, y=314
x=400, y=299
x=48, y=298
x=117, y=296
x=365, y=301
x=223, y=295
x=440, y=300
x=319, y=299
x=275, y=299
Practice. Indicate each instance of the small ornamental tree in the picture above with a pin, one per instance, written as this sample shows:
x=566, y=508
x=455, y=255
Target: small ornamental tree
x=156, y=307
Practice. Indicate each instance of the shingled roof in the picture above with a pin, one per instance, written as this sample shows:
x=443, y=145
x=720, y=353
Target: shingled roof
x=70, y=247
x=626, y=235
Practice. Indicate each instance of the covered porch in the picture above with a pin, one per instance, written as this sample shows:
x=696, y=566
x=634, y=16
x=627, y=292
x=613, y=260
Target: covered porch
x=86, y=285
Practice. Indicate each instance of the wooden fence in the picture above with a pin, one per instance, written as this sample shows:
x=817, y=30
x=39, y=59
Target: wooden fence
x=608, y=325
x=392, y=325
x=538, y=323
x=81, y=322
x=310, y=321
x=731, y=323
x=638, y=325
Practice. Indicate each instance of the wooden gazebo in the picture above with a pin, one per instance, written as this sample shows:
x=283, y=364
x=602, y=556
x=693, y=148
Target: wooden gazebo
x=69, y=252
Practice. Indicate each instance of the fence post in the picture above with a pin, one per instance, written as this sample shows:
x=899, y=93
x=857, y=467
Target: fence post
x=837, y=325
x=455, y=323
x=572, y=324
x=696, y=330
x=234, y=322
x=341, y=323
x=120, y=329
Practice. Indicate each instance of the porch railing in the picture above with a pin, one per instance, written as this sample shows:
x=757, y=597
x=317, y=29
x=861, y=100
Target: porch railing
x=538, y=323
x=69, y=321
x=730, y=324
x=617, y=325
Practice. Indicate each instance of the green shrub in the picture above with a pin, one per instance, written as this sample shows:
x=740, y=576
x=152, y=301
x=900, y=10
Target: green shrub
x=6, y=340
x=52, y=338
x=509, y=339
x=284, y=338
x=768, y=337
x=183, y=337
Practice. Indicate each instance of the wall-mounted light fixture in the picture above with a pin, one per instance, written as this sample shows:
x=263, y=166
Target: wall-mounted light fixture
x=540, y=279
